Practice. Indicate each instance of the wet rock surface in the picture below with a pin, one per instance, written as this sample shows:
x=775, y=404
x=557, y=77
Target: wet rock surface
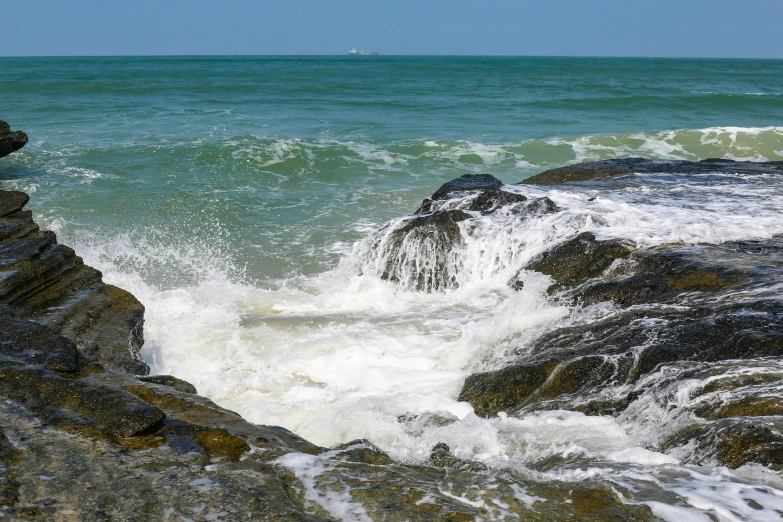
x=10, y=141
x=422, y=251
x=455, y=188
x=85, y=434
x=627, y=166
x=579, y=259
x=680, y=314
x=439, y=235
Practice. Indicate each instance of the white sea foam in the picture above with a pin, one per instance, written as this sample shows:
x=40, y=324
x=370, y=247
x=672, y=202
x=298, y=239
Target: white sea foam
x=337, y=503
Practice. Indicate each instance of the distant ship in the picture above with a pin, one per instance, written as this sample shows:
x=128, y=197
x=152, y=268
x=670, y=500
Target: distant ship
x=354, y=52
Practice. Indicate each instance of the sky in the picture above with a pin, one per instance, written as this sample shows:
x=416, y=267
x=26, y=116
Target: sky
x=677, y=28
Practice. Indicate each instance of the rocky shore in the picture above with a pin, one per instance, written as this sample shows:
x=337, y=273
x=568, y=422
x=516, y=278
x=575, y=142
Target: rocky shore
x=87, y=434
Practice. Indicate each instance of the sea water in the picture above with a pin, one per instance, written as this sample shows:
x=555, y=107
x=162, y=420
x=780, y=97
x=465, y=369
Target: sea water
x=239, y=197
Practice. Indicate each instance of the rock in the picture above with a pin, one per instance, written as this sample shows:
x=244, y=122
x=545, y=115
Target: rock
x=168, y=380
x=536, y=207
x=465, y=183
x=420, y=252
x=10, y=141
x=441, y=457
x=504, y=390
x=43, y=281
x=676, y=309
x=492, y=199
x=218, y=442
x=736, y=442
x=613, y=168
x=579, y=259
x=364, y=451
x=662, y=273
x=78, y=406
x=12, y=201
x=35, y=344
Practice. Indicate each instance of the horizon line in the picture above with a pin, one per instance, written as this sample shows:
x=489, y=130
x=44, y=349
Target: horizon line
x=392, y=55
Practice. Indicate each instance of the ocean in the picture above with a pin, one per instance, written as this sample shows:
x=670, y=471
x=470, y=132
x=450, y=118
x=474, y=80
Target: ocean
x=237, y=198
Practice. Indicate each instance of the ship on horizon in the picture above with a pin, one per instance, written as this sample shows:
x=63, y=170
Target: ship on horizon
x=354, y=52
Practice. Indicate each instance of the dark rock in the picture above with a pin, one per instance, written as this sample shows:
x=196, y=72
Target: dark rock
x=465, y=183
x=12, y=201
x=513, y=387
x=536, y=207
x=420, y=251
x=78, y=406
x=8, y=453
x=364, y=451
x=739, y=331
x=492, y=199
x=441, y=457
x=43, y=281
x=607, y=169
x=660, y=274
x=168, y=380
x=506, y=389
x=579, y=259
x=735, y=442
x=445, y=220
x=35, y=344
x=10, y=141
x=17, y=225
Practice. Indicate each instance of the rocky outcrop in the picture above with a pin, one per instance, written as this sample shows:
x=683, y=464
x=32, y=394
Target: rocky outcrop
x=579, y=259
x=85, y=434
x=681, y=313
x=45, y=282
x=10, y=141
x=457, y=187
x=614, y=168
x=421, y=251
x=626, y=346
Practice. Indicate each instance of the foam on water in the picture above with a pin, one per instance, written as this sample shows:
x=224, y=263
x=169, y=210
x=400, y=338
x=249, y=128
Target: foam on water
x=344, y=355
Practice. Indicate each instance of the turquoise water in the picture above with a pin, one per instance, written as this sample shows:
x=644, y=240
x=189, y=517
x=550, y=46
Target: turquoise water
x=278, y=162
x=239, y=197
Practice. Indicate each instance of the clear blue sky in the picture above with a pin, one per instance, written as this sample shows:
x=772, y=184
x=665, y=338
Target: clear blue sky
x=706, y=28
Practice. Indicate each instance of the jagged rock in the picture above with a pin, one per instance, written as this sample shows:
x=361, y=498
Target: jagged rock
x=78, y=406
x=10, y=141
x=660, y=274
x=168, y=380
x=12, y=201
x=580, y=258
x=364, y=451
x=504, y=390
x=735, y=442
x=492, y=199
x=420, y=252
x=607, y=169
x=465, y=183
x=218, y=442
x=622, y=348
x=536, y=207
